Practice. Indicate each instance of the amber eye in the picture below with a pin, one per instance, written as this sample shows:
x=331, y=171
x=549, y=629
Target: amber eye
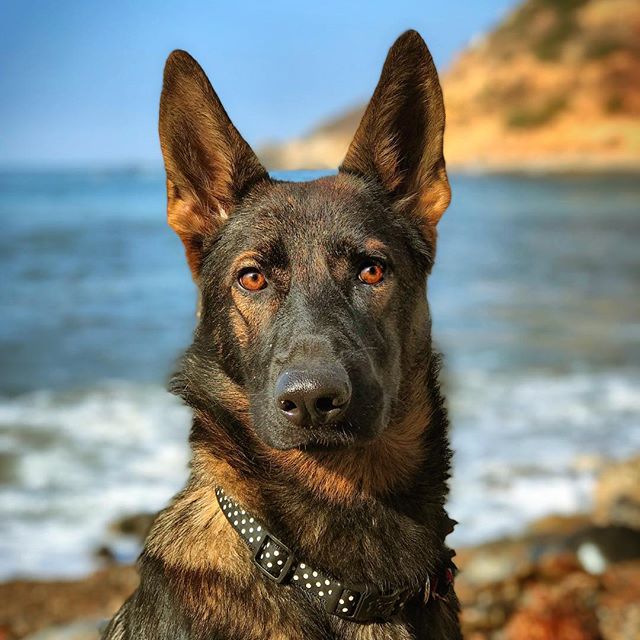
x=371, y=273
x=252, y=280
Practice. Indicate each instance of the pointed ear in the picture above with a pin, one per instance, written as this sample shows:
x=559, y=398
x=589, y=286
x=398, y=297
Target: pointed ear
x=399, y=140
x=209, y=165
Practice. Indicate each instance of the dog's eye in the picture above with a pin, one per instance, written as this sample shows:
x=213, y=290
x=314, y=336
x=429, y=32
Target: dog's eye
x=371, y=273
x=251, y=279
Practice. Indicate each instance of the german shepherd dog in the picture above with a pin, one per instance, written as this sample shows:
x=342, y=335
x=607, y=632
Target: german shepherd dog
x=315, y=506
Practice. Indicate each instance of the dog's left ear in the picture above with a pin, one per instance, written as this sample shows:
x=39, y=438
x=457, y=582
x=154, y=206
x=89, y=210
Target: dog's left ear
x=399, y=140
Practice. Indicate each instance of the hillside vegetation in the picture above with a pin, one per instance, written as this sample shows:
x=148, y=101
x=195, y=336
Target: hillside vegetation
x=555, y=86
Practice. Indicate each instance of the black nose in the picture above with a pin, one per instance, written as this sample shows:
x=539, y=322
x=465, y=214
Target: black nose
x=313, y=395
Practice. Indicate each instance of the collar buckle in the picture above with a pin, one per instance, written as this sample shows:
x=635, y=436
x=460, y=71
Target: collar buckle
x=364, y=603
x=273, y=558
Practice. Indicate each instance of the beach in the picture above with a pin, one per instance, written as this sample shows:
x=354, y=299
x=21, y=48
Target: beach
x=534, y=306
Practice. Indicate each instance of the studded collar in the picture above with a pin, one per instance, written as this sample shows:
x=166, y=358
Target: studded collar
x=354, y=602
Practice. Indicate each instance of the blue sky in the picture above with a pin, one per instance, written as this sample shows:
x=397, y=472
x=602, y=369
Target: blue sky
x=80, y=79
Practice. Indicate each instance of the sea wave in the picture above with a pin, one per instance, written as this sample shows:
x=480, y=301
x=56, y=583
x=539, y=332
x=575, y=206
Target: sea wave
x=75, y=461
x=72, y=462
x=527, y=445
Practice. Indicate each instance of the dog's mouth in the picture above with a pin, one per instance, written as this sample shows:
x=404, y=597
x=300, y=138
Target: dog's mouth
x=330, y=437
x=313, y=440
x=329, y=442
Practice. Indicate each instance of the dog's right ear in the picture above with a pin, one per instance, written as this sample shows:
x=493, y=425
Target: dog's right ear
x=209, y=165
x=399, y=140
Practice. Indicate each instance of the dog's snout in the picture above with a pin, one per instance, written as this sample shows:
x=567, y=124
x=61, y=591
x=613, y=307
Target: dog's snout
x=313, y=396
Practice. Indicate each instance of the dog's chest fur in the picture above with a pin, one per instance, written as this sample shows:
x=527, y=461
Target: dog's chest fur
x=218, y=593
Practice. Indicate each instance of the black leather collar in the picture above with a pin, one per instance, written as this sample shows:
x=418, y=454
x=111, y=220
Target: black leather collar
x=356, y=602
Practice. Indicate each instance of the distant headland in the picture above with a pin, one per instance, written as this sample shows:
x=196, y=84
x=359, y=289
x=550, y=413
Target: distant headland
x=554, y=88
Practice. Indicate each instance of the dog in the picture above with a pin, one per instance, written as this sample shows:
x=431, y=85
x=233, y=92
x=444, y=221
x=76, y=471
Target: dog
x=315, y=506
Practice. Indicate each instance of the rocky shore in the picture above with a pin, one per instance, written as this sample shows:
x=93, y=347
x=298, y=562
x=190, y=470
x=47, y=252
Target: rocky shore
x=569, y=578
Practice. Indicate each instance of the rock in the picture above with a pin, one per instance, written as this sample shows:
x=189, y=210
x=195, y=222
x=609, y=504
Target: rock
x=510, y=558
x=136, y=525
x=617, y=494
x=106, y=555
x=26, y=607
x=619, y=606
x=599, y=547
x=556, y=541
x=562, y=580
x=565, y=610
x=559, y=524
x=495, y=562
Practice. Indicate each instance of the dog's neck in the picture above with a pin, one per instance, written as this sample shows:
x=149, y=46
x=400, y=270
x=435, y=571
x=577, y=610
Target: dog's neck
x=395, y=486
x=392, y=489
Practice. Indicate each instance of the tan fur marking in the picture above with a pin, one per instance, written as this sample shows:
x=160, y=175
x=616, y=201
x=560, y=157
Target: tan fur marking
x=435, y=198
x=240, y=328
x=193, y=534
x=383, y=465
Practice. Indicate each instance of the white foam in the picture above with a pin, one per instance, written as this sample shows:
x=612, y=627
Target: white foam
x=81, y=460
x=76, y=461
x=517, y=438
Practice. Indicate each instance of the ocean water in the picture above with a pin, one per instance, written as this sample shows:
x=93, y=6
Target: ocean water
x=535, y=305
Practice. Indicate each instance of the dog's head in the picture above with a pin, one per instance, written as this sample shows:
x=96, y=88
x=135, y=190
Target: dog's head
x=313, y=307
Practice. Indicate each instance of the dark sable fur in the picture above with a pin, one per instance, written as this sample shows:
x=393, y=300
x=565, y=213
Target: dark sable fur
x=362, y=499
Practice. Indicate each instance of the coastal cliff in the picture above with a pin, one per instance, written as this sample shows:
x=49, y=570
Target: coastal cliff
x=554, y=87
